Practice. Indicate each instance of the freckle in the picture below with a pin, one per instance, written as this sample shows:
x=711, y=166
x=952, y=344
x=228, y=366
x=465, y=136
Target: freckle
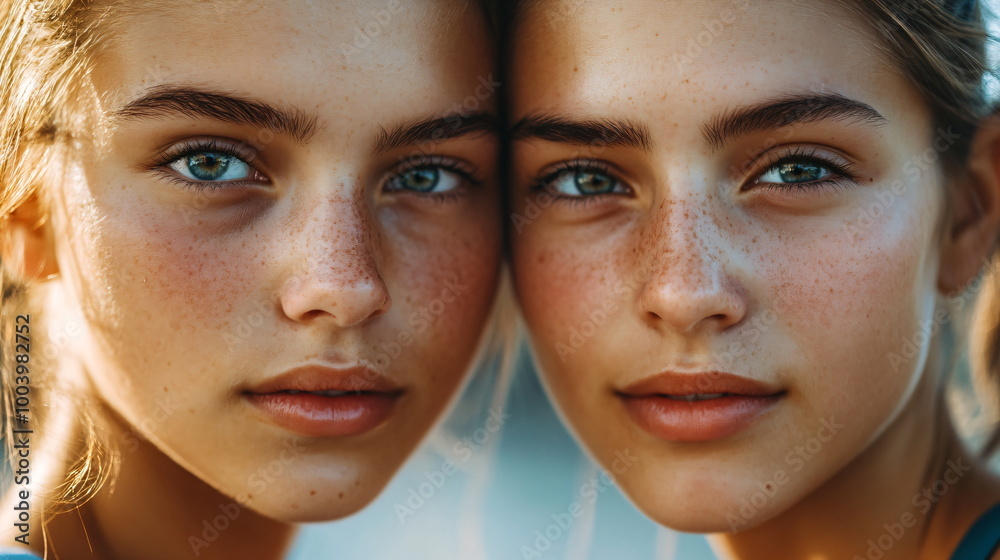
x=295, y=506
x=312, y=492
x=165, y=390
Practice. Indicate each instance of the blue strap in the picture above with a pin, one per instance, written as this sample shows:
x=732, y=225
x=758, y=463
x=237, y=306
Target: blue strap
x=17, y=556
x=982, y=539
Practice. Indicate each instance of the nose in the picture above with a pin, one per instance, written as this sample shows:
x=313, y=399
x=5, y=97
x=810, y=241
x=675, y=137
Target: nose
x=334, y=274
x=688, y=286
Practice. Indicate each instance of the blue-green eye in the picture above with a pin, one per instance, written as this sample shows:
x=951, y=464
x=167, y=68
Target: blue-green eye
x=580, y=181
x=211, y=166
x=428, y=179
x=793, y=172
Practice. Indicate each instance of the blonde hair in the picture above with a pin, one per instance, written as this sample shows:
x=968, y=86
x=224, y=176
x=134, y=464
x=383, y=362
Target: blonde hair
x=44, y=48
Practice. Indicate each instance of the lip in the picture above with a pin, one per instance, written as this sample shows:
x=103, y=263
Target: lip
x=684, y=419
x=363, y=399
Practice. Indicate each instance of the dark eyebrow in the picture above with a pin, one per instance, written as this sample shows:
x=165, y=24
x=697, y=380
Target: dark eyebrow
x=436, y=129
x=171, y=101
x=786, y=111
x=601, y=132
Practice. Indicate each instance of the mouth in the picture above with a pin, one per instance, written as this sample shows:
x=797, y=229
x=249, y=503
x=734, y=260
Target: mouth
x=697, y=397
x=320, y=401
x=698, y=407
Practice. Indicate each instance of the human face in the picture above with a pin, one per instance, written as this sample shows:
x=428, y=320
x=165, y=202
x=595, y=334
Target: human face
x=259, y=214
x=734, y=203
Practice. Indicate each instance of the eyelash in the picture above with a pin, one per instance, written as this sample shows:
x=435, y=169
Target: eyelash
x=460, y=168
x=192, y=147
x=185, y=149
x=843, y=172
x=542, y=181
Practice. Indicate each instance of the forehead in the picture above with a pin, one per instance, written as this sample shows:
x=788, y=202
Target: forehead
x=314, y=55
x=704, y=53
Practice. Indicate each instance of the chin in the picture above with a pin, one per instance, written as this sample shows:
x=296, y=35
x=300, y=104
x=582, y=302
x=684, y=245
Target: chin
x=317, y=502
x=696, y=518
x=697, y=505
x=702, y=522
x=327, y=490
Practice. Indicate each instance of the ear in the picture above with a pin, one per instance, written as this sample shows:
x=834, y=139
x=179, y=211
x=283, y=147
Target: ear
x=974, y=227
x=27, y=249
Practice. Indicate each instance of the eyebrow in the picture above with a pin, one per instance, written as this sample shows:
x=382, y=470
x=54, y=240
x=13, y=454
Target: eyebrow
x=787, y=111
x=173, y=101
x=436, y=129
x=620, y=133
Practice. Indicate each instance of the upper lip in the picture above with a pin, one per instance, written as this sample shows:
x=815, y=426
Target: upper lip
x=704, y=383
x=326, y=378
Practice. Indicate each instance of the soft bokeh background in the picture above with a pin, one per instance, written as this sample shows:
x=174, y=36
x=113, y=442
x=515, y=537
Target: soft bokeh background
x=510, y=497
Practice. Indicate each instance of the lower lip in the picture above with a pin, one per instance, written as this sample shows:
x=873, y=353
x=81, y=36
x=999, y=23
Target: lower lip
x=705, y=420
x=319, y=416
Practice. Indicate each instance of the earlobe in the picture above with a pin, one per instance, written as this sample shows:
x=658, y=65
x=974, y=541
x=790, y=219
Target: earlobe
x=974, y=227
x=27, y=250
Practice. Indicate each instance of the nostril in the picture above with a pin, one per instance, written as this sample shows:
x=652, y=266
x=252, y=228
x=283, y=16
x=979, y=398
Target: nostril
x=311, y=315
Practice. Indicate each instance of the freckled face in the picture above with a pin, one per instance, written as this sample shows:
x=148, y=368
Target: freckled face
x=210, y=257
x=685, y=239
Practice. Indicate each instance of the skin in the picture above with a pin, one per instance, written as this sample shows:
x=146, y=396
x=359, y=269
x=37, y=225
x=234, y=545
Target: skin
x=698, y=261
x=189, y=296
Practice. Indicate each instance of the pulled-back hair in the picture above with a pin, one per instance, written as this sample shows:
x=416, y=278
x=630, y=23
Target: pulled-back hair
x=941, y=46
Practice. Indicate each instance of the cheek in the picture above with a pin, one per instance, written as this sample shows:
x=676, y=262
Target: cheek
x=575, y=293
x=163, y=298
x=442, y=280
x=849, y=306
x=156, y=300
x=559, y=282
x=175, y=276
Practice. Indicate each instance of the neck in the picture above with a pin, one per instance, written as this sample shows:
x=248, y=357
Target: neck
x=912, y=494
x=156, y=509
